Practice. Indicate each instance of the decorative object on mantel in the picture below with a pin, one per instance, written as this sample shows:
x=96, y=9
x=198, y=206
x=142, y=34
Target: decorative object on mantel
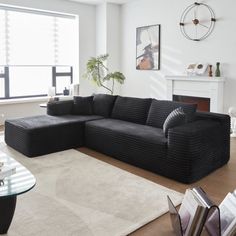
x=191, y=68
x=98, y=72
x=197, y=68
x=232, y=114
x=210, y=72
x=197, y=21
x=217, y=73
x=148, y=47
x=201, y=68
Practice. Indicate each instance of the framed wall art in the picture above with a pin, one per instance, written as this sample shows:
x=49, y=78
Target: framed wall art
x=148, y=47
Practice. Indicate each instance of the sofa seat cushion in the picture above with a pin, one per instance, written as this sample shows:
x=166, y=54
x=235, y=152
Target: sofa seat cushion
x=39, y=135
x=103, y=104
x=131, y=109
x=140, y=132
x=44, y=121
x=136, y=144
x=160, y=109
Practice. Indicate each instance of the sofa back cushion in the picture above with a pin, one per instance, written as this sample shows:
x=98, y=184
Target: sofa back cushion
x=160, y=109
x=59, y=108
x=103, y=104
x=131, y=109
x=83, y=105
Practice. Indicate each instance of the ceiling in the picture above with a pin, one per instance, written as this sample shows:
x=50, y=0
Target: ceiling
x=95, y=2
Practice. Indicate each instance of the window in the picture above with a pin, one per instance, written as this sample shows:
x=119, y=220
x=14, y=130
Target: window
x=2, y=83
x=37, y=50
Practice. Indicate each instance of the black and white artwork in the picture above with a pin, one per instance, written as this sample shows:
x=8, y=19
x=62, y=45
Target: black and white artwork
x=148, y=47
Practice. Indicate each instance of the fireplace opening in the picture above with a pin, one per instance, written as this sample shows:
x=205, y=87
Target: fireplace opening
x=203, y=104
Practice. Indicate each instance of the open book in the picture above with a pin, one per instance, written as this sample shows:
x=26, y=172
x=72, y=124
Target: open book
x=6, y=170
x=192, y=212
x=227, y=215
x=198, y=212
x=195, y=211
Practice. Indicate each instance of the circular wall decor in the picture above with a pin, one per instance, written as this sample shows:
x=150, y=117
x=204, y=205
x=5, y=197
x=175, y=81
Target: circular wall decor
x=197, y=21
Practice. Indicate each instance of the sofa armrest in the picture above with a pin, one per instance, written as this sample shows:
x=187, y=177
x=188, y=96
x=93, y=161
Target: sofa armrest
x=224, y=129
x=59, y=108
x=213, y=116
x=195, y=149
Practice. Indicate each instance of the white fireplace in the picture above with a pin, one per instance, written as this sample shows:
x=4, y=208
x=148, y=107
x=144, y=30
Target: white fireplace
x=211, y=88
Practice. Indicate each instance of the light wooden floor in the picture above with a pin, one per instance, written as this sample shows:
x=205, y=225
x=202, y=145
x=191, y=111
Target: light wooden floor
x=216, y=185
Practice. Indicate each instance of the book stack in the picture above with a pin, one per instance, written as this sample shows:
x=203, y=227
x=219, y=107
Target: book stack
x=6, y=170
x=197, y=213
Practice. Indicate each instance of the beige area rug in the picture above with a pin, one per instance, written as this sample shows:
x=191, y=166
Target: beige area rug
x=77, y=195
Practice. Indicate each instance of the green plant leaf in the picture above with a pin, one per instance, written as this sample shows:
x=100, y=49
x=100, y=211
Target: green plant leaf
x=117, y=76
x=97, y=71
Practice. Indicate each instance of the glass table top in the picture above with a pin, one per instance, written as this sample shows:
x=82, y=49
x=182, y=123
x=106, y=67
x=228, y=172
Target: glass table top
x=18, y=183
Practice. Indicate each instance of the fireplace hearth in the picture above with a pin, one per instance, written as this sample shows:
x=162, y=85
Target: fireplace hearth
x=203, y=104
x=207, y=92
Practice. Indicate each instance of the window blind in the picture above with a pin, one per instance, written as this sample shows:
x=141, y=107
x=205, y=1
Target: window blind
x=33, y=37
x=34, y=43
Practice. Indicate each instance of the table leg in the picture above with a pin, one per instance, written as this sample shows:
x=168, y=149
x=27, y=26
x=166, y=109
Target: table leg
x=7, y=209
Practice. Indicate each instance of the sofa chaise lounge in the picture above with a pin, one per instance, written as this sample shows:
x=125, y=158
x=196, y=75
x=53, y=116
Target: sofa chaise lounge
x=131, y=130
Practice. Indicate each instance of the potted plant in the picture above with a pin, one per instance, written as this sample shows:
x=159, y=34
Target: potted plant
x=98, y=72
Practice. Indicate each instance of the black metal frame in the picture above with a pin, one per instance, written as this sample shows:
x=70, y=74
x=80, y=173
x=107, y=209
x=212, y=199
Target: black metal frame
x=5, y=76
x=159, y=46
x=56, y=74
x=212, y=20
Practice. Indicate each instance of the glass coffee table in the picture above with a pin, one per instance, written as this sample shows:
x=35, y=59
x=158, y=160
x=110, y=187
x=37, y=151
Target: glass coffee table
x=14, y=185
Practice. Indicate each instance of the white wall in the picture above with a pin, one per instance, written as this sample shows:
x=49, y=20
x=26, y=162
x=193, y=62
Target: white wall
x=101, y=29
x=113, y=36
x=20, y=110
x=87, y=45
x=101, y=37
x=177, y=51
x=114, y=40
x=108, y=37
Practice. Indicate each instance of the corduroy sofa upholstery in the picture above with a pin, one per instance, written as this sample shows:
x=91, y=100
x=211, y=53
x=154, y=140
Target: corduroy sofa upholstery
x=129, y=129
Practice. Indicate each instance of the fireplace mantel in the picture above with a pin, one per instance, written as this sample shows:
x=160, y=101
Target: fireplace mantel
x=198, y=86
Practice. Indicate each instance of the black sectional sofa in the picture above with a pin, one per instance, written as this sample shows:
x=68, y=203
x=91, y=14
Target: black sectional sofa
x=131, y=130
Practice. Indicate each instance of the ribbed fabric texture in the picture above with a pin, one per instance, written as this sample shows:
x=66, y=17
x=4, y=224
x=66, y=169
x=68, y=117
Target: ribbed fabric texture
x=223, y=132
x=175, y=118
x=131, y=109
x=103, y=104
x=59, y=108
x=136, y=144
x=196, y=149
x=142, y=132
x=83, y=105
x=190, y=152
x=39, y=135
x=159, y=111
